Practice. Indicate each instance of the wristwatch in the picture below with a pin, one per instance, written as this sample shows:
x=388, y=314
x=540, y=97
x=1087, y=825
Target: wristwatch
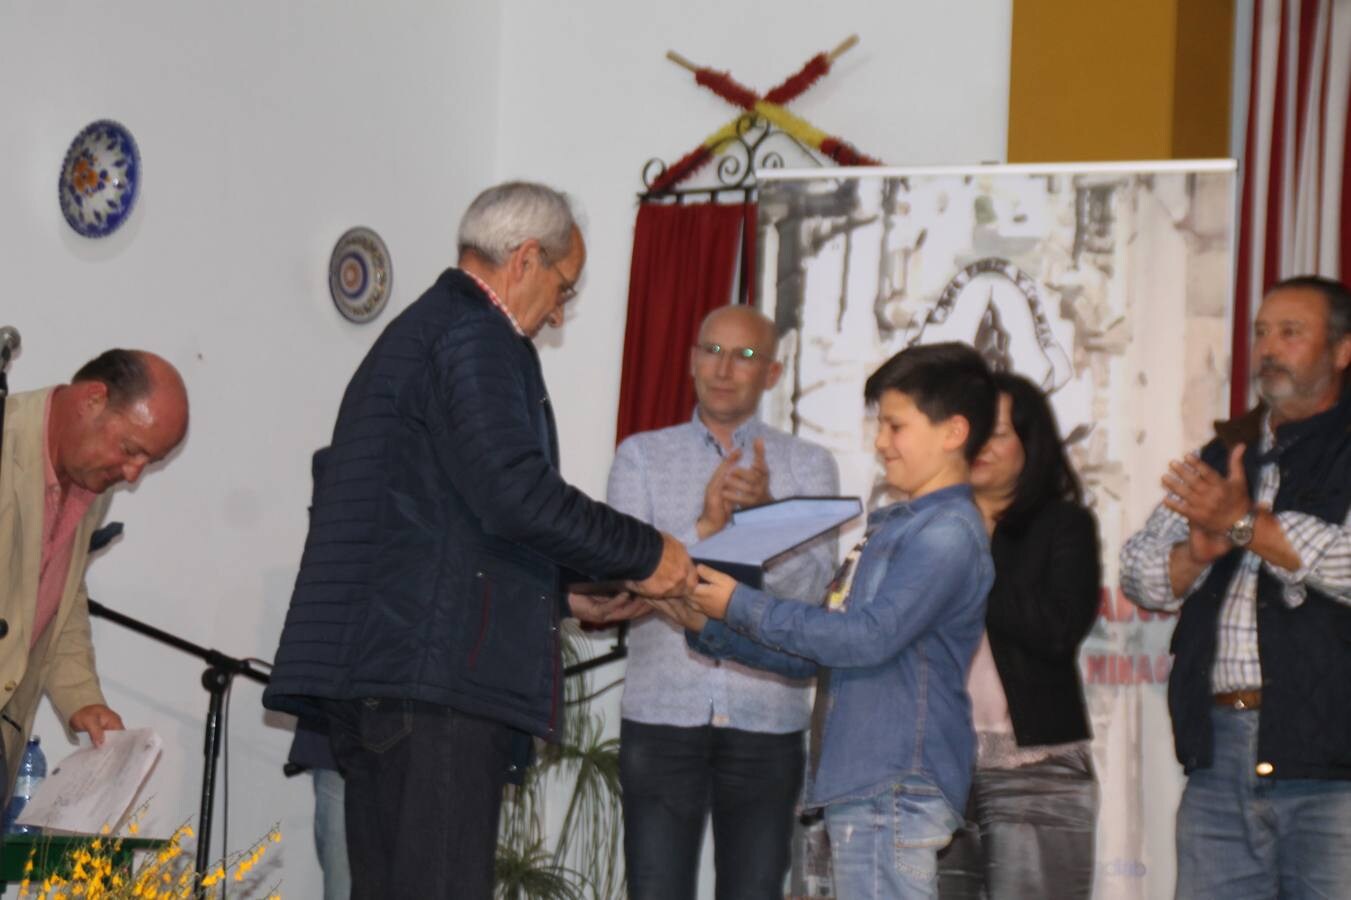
x=1240, y=533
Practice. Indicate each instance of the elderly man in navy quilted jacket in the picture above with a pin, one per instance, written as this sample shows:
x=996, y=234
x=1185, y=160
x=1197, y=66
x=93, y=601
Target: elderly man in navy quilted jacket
x=424, y=625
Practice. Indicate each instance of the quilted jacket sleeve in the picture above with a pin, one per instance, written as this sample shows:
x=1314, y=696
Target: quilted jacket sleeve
x=498, y=464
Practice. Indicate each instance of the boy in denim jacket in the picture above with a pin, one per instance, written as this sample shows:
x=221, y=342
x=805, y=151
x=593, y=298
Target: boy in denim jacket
x=892, y=740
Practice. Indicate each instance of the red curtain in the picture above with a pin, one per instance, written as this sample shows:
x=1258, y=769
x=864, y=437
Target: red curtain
x=1295, y=205
x=684, y=265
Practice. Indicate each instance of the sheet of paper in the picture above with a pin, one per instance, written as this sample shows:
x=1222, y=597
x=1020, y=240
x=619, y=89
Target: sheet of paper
x=94, y=786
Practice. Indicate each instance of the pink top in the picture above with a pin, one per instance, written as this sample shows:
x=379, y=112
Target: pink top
x=996, y=746
x=61, y=517
x=989, y=703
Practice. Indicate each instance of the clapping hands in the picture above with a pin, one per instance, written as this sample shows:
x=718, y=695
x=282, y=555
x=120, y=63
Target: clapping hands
x=1208, y=501
x=732, y=488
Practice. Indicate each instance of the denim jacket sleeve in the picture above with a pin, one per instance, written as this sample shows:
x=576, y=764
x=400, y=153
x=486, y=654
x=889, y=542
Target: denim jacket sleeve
x=717, y=641
x=927, y=569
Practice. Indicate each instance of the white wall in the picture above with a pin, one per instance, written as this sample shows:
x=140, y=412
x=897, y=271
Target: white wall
x=266, y=129
x=587, y=97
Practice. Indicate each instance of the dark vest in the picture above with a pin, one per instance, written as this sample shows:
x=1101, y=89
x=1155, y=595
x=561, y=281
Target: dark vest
x=1305, y=652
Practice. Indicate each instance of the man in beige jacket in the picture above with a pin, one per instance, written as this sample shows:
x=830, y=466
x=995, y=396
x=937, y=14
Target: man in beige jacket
x=62, y=449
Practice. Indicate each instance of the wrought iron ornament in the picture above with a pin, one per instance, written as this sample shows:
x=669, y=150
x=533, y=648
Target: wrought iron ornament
x=755, y=144
x=763, y=117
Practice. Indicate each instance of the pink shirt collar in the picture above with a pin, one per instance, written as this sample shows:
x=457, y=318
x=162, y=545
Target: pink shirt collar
x=492, y=295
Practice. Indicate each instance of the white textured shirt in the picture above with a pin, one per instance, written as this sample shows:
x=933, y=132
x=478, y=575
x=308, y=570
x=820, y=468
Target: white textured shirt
x=1324, y=550
x=660, y=477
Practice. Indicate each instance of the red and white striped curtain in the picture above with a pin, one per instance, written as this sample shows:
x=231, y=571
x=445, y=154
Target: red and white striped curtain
x=1295, y=213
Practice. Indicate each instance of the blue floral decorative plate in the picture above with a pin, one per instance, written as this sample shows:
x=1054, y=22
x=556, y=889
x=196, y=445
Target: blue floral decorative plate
x=100, y=179
x=360, y=275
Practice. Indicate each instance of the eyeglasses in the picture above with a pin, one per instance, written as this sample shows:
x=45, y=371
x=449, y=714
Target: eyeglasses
x=566, y=289
x=735, y=354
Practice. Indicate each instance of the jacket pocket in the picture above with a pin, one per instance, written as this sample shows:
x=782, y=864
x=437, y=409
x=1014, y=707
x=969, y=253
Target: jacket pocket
x=922, y=824
x=510, y=646
x=382, y=723
x=921, y=816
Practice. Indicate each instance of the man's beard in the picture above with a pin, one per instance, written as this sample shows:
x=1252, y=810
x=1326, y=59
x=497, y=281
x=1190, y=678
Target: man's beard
x=1277, y=384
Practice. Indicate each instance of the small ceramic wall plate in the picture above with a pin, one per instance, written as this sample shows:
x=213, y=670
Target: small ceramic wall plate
x=360, y=275
x=100, y=179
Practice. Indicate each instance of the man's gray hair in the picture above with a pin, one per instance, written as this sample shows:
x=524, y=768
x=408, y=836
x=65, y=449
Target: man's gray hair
x=504, y=217
x=1337, y=295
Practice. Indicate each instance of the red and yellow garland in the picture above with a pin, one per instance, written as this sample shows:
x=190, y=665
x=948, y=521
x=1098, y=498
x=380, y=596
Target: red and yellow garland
x=771, y=108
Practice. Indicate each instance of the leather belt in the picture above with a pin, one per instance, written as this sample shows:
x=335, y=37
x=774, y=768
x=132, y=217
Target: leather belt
x=1247, y=699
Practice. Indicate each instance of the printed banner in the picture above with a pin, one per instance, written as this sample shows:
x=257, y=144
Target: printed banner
x=1108, y=285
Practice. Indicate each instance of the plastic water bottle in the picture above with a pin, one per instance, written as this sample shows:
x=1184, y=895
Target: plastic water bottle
x=32, y=769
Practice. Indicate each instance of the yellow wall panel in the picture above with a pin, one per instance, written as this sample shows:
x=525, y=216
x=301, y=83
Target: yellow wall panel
x=1114, y=80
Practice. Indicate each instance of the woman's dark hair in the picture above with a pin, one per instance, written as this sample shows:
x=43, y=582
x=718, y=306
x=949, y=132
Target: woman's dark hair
x=1047, y=474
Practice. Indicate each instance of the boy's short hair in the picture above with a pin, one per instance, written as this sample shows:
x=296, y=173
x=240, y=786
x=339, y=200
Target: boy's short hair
x=942, y=380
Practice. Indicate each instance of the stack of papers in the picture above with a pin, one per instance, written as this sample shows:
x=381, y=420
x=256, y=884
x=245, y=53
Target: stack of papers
x=95, y=786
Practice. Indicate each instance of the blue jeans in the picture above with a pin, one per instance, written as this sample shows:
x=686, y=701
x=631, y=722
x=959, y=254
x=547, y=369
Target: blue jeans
x=887, y=846
x=1240, y=836
x=673, y=778
x=330, y=833
x=1029, y=833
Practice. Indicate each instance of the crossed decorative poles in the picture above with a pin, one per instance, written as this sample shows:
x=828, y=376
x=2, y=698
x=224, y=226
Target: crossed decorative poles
x=770, y=107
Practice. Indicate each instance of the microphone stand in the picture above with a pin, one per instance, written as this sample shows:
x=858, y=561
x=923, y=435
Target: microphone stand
x=4, y=384
x=9, y=342
x=221, y=669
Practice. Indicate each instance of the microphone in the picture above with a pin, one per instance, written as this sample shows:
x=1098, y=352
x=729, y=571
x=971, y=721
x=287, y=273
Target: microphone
x=9, y=341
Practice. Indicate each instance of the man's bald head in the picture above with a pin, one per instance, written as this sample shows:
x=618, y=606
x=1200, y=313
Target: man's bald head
x=733, y=365
x=123, y=410
x=767, y=336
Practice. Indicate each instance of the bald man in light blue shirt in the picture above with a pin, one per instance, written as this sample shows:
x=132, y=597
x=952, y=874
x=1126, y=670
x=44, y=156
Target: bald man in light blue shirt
x=702, y=737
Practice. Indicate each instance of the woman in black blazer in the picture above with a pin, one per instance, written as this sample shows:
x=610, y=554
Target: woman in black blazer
x=1034, y=799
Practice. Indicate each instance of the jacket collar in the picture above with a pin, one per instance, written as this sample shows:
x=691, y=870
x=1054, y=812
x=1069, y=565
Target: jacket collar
x=742, y=437
x=911, y=507
x=1248, y=427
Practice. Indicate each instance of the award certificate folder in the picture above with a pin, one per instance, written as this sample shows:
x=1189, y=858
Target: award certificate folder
x=754, y=537
x=758, y=534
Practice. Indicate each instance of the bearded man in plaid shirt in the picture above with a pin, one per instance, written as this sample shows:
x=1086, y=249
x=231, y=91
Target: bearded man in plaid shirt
x=1252, y=547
